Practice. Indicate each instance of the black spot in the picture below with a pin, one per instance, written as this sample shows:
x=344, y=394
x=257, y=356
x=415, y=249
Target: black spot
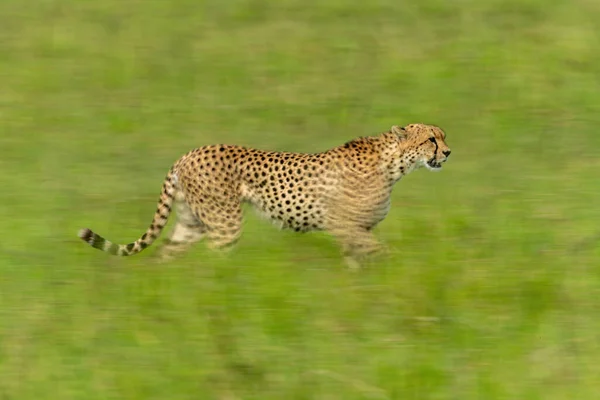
x=87, y=235
x=98, y=242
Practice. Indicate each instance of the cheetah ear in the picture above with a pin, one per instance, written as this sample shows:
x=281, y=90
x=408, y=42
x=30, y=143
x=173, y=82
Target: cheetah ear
x=399, y=131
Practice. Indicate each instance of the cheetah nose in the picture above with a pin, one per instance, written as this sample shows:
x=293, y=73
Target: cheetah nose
x=446, y=152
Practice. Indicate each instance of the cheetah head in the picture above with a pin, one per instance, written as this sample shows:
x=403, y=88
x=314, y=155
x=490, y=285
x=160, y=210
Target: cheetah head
x=424, y=145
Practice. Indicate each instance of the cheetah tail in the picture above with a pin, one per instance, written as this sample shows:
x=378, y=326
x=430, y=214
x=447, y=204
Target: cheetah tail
x=159, y=221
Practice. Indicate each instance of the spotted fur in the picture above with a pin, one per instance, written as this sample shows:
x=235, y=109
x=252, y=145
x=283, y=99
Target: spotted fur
x=345, y=190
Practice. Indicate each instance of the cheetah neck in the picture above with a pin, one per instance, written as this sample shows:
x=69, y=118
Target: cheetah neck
x=397, y=159
x=399, y=167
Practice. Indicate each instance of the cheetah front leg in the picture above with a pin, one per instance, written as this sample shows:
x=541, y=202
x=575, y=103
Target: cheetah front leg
x=357, y=244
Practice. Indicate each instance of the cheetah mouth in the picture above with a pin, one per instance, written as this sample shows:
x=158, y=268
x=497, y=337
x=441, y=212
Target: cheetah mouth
x=433, y=165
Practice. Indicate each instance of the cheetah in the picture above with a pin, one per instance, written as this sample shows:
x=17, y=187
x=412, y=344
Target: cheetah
x=344, y=191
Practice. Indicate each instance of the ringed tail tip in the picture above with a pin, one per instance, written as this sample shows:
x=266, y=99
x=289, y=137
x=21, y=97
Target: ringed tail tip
x=86, y=235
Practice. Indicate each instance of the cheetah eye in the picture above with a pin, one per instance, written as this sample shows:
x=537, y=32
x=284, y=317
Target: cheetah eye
x=432, y=140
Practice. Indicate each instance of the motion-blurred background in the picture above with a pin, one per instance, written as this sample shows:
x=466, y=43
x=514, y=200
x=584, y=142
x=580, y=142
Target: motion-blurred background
x=491, y=290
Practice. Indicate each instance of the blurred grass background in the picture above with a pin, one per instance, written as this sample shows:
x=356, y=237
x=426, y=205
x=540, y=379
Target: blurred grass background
x=490, y=292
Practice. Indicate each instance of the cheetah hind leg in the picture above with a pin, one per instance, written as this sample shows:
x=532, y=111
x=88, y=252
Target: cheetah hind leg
x=224, y=234
x=222, y=219
x=182, y=238
x=187, y=231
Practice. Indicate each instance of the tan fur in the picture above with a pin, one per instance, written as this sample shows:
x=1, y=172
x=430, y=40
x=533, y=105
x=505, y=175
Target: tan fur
x=345, y=191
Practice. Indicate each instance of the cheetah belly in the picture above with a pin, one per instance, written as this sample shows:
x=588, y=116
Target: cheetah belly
x=295, y=210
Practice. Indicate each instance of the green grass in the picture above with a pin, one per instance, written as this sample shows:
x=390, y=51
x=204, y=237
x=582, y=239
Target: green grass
x=491, y=289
